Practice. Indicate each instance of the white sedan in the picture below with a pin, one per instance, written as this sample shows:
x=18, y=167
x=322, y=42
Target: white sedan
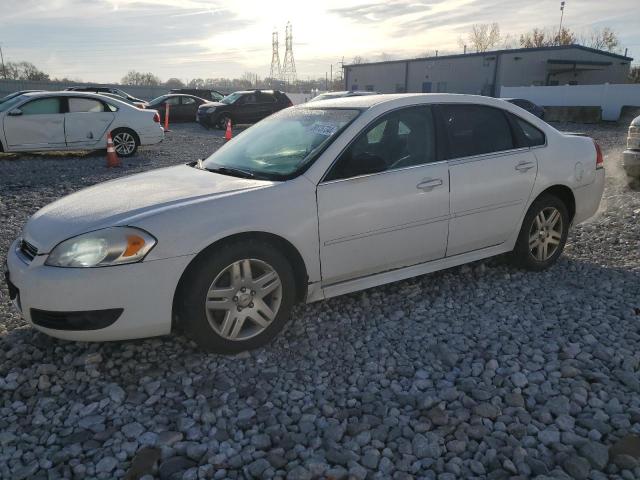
x=313, y=202
x=44, y=121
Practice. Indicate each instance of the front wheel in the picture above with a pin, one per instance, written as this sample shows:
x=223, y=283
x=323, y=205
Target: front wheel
x=543, y=234
x=125, y=142
x=237, y=297
x=222, y=121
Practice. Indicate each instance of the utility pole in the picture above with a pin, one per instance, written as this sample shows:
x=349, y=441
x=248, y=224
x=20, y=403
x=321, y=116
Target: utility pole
x=4, y=70
x=561, y=17
x=331, y=75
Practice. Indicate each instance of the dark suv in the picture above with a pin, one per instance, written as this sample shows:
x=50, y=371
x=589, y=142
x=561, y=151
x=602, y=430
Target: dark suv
x=207, y=94
x=242, y=107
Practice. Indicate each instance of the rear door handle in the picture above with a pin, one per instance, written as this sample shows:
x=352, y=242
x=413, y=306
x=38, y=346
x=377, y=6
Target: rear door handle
x=429, y=184
x=524, y=166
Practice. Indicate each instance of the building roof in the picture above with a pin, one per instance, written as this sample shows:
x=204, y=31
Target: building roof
x=498, y=52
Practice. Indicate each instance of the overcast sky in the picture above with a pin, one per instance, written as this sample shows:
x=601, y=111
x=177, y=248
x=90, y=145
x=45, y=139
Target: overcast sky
x=100, y=40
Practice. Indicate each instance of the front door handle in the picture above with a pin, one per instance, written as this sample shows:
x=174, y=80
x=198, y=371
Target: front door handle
x=524, y=166
x=429, y=184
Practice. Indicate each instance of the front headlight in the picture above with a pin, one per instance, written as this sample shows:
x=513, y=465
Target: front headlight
x=102, y=248
x=211, y=109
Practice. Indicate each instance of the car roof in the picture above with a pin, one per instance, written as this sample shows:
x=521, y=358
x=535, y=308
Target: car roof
x=64, y=93
x=368, y=101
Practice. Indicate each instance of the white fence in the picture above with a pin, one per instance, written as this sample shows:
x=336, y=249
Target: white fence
x=610, y=97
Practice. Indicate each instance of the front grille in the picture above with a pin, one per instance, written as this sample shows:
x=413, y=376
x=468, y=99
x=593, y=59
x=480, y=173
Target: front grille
x=28, y=250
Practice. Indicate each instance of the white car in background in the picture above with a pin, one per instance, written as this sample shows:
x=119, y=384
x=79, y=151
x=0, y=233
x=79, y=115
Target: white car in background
x=314, y=201
x=75, y=121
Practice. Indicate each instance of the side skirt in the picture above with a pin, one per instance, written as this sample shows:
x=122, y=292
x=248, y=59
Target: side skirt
x=407, y=272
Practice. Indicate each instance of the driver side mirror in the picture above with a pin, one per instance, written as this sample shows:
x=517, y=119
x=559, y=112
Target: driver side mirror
x=16, y=112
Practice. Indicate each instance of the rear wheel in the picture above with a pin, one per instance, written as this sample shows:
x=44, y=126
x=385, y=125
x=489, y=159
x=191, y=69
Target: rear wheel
x=237, y=297
x=125, y=142
x=543, y=234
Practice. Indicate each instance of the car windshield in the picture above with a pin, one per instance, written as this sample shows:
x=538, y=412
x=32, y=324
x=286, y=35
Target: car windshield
x=9, y=104
x=9, y=97
x=282, y=144
x=229, y=99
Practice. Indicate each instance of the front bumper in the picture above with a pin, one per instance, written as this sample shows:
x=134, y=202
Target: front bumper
x=631, y=162
x=142, y=291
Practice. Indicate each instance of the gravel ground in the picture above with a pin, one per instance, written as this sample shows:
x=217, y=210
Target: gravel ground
x=482, y=371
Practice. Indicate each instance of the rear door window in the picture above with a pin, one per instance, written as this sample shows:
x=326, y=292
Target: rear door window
x=42, y=106
x=85, y=105
x=475, y=130
x=533, y=136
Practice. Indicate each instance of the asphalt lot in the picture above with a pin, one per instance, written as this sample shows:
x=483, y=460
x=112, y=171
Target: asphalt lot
x=481, y=371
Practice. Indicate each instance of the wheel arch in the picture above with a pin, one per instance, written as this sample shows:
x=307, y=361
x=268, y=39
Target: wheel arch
x=565, y=194
x=285, y=246
x=128, y=129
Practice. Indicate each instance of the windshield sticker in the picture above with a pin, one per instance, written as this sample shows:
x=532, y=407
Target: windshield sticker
x=325, y=129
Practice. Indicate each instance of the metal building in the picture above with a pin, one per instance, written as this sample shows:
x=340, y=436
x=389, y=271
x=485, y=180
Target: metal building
x=482, y=73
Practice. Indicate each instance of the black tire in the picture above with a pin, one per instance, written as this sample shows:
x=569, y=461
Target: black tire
x=125, y=133
x=221, y=121
x=523, y=254
x=194, y=317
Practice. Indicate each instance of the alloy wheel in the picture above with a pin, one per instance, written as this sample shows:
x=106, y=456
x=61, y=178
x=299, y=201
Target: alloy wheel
x=244, y=299
x=124, y=143
x=545, y=234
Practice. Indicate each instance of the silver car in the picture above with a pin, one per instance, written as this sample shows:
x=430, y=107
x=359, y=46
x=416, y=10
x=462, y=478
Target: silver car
x=75, y=121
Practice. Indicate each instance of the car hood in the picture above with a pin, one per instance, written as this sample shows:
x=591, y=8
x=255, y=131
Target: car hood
x=127, y=200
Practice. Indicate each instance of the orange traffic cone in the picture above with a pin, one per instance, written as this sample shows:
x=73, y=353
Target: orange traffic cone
x=112, y=156
x=228, y=134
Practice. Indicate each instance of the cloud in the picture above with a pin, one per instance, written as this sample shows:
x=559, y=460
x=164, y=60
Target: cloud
x=381, y=11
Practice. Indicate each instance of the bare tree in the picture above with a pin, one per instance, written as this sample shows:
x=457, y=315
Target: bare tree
x=602, y=39
x=142, y=79
x=24, y=71
x=634, y=74
x=174, y=83
x=357, y=60
x=509, y=41
x=484, y=36
x=565, y=37
x=547, y=37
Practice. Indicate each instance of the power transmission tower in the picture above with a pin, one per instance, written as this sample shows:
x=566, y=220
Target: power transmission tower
x=276, y=72
x=289, y=66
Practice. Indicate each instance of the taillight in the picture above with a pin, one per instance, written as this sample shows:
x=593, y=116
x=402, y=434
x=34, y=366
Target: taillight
x=156, y=117
x=599, y=157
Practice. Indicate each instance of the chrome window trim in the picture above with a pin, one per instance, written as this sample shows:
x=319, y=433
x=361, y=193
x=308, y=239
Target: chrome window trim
x=402, y=169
